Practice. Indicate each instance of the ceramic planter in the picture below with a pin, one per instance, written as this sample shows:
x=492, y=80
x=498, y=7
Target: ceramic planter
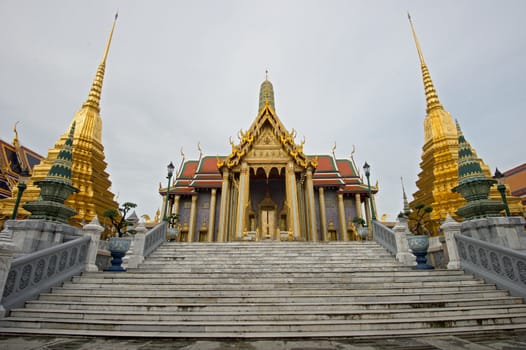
x=418, y=245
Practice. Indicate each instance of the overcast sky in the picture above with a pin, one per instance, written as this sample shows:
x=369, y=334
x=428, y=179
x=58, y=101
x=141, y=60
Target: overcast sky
x=183, y=72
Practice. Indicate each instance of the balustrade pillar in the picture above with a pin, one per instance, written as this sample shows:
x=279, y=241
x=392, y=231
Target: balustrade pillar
x=7, y=249
x=93, y=230
x=136, y=252
x=450, y=227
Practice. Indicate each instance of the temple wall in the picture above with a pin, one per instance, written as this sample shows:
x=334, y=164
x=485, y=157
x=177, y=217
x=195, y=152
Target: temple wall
x=331, y=207
x=350, y=207
x=317, y=210
x=184, y=209
x=203, y=212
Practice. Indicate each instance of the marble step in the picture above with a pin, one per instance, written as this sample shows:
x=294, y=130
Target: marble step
x=299, y=315
x=190, y=284
x=246, y=297
x=220, y=291
x=274, y=262
x=342, y=306
x=473, y=331
x=325, y=326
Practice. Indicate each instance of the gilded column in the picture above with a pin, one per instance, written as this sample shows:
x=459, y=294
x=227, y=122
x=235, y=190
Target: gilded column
x=242, y=201
x=212, y=215
x=358, y=204
x=165, y=198
x=310, y=206
x=193, y=217
x=176, y=204
x=225, y=190
x=341, y=218
x=292, y=199
x=374, y=207
x=323, y=214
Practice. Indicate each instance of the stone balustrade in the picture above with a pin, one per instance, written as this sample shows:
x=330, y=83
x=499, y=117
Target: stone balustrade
x=500, y=265
x=154, y=238
x=32, y=274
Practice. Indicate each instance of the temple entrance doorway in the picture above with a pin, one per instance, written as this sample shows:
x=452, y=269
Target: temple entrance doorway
x=267, y=196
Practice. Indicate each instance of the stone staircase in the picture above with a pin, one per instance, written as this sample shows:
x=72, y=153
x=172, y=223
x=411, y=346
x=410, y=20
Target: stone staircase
x=270, y=290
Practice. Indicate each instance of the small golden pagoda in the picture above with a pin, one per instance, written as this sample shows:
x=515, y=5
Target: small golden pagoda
x=89, y=167
x=439, y=165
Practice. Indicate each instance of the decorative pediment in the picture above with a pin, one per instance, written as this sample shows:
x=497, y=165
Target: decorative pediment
x=267, y=138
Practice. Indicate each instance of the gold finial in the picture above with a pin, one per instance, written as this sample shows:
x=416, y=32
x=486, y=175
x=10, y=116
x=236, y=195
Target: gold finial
x=432, y=100
x=333, y=150
x=96, y=88
x=266, y=74
x=15, y=140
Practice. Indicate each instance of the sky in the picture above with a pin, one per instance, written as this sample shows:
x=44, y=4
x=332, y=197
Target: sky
x=344, y=72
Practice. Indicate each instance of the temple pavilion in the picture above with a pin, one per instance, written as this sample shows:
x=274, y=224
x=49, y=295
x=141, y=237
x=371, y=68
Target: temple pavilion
x=267, y=188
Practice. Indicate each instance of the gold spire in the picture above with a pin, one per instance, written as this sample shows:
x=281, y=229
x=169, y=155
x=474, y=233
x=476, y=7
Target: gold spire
x=96, y=88
x=15, y=139
x=432, y=100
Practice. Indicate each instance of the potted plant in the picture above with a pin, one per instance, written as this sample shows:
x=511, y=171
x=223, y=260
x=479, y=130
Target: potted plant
x=360, y=227
x=173, y=227
x=418, y=221
x=118, y=246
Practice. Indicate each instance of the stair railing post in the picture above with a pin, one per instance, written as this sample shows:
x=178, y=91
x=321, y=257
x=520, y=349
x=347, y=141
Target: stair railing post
x=450, y=227
x=402, y=247
x=7, y=249
x=136, y=255
x=93, y=230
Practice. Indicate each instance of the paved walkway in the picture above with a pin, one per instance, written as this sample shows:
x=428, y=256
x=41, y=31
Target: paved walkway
x=503, y=341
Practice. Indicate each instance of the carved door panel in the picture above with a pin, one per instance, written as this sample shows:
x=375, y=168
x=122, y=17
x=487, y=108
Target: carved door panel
x=268, y=223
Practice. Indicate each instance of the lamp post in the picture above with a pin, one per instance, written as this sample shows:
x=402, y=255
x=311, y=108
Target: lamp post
x=502, y=189
x=366, y=169
x=22, y=178
x=170, y=169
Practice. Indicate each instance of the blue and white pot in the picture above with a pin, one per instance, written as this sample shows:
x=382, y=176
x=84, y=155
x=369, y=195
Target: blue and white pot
x=118, y=247
x=419, y=245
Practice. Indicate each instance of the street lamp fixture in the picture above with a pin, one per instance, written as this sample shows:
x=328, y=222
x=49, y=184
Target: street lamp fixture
x=22, y=179
x=502, y=189
x=366, y=169
x=170, y=169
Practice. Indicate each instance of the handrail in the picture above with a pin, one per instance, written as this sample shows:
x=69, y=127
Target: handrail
x=385, y=237
x=154, y=238
x=500, y=265
x=37, y=272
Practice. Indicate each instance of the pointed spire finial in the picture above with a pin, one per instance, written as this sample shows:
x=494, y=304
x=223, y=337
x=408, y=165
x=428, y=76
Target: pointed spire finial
x=15, y=139
x=432, y=100
x=266, y=94
x=406, y=203
x=96, y=88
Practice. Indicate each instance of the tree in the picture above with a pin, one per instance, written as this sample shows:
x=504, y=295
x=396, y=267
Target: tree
x=118, y=218
x=418, y=219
